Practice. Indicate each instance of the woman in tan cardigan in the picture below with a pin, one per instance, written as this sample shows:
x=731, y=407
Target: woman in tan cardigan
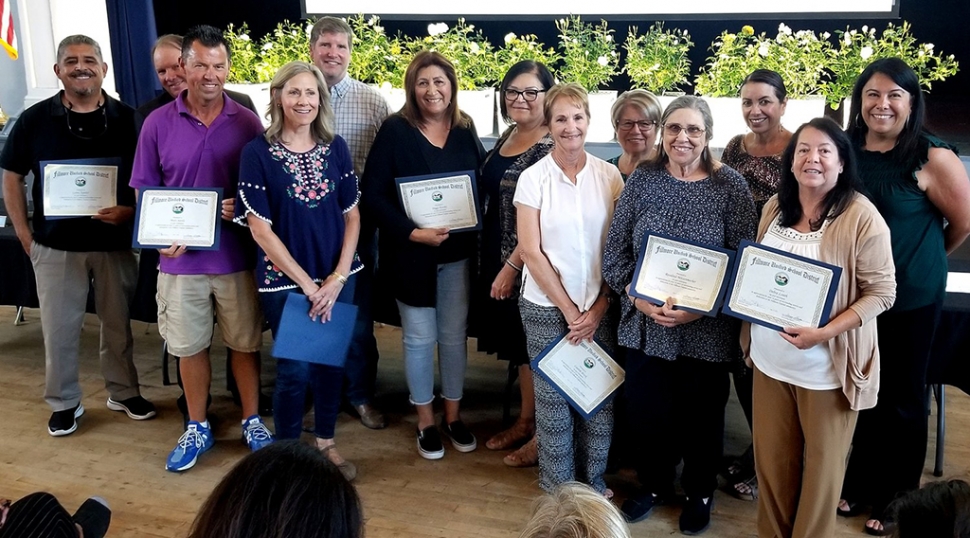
x=810, y=383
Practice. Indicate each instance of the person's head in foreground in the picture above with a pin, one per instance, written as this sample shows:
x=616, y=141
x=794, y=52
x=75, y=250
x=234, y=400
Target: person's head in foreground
x=575, y=510
x=286, y=489
x=937, y=510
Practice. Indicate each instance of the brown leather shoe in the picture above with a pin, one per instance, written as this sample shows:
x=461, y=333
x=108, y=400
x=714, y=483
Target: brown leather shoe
x=370, y=416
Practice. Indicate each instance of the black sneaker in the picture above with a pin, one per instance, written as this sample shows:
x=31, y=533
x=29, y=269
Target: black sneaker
x=94, y=517
x=429, y=444
x=137, y=408
x=637, y=508
x=64, y=422
x=696, y=516
x=461, y=438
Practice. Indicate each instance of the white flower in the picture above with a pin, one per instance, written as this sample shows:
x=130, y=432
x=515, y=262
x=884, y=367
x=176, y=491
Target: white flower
x=244, y=37
x=609, y=37
x=929, y=47
x=603, y=60
x=474, y=46
x=783, y=29
x=379, y=29
x=866, y=52
x=437, y=28
x=372, y=20
x=763, y=50
x=509, y=37
x=267, y=46
x=377, y=47
x=865, y=28
x=825, y=35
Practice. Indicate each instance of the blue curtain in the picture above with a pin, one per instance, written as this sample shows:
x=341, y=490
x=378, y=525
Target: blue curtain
x=131, y=24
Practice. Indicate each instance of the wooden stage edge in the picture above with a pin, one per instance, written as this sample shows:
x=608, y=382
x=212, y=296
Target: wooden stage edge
x=467, y=495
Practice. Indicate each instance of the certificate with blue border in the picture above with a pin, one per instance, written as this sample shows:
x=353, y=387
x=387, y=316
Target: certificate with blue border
x=187, y=216
x=448, y=200
x=585, y=374
x=778, y=289
x=79, y=187
x=694, y=275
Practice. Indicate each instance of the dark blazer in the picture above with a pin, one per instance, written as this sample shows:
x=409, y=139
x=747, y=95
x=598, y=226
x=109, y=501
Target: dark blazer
x=164, y=98
x=401, y=150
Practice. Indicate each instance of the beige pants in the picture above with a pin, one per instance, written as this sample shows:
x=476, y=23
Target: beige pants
x=801, y=442
x=63, y=279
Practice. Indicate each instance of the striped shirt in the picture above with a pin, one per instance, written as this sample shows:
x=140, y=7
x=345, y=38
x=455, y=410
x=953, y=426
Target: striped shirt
x=359, y=110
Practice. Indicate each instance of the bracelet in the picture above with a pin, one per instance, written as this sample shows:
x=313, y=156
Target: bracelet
x=512, y=265
x=340, y=278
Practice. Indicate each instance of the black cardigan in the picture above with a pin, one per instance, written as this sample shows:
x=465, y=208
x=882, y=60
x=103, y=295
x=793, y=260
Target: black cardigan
x=401, y=150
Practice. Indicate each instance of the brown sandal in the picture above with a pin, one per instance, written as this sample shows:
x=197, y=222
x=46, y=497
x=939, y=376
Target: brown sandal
x=349, y=470
x=527, y=456
x=519, y=433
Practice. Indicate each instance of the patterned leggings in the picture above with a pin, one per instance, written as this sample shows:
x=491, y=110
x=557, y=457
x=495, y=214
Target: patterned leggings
x=570, y=448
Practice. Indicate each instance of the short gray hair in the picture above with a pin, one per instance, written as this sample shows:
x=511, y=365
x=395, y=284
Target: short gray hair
x=78, y=39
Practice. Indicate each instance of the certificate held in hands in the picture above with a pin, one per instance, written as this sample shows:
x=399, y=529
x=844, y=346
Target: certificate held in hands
x=80, y=187
x=187, y=216
x=584, y=374
x=777, y=289
x=441, y=200
x=694, y=275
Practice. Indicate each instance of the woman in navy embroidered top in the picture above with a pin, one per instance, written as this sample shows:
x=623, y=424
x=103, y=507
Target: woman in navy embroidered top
x=298, y=194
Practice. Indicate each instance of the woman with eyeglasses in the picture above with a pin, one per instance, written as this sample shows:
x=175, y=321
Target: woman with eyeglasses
x=636, y=115
x=500, y=326
x=677, y=362
x=564, y=204
x=757, y=156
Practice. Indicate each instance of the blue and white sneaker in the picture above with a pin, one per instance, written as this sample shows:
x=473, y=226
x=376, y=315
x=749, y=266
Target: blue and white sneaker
x=196, y=440
x=255, y=433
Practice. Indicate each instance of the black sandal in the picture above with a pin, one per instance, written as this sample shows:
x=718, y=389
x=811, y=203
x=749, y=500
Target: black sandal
x=854, y=509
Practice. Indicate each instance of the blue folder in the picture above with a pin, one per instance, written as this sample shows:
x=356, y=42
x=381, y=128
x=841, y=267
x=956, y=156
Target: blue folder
x=300, y=338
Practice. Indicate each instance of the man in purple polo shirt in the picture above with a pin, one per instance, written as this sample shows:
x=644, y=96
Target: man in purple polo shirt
x=196, y=141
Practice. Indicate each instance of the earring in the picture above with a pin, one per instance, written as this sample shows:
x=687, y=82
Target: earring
x=858, y=124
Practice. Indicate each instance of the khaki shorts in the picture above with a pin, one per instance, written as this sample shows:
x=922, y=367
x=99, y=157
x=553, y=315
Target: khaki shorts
x=185, y=311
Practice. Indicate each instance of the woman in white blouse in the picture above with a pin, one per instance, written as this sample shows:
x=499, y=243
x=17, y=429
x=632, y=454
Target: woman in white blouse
x=564, y=205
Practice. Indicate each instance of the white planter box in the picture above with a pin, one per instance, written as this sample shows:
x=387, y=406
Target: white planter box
x=728, y=120
x=600, y=122
x=395, y=97
x=480, y=105
x=259, y=93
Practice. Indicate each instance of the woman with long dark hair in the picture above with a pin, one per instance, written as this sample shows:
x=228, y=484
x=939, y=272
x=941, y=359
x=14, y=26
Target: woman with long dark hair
x=920, y=187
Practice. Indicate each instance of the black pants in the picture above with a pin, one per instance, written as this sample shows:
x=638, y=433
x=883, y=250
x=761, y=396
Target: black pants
x=889, y=446
x=38, y=515
x=676, y=411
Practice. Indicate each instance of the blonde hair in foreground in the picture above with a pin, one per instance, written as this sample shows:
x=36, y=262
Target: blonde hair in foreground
x=575, y=510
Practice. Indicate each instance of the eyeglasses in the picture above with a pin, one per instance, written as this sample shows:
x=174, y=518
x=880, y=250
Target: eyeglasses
x=642, y=125
x=674, y=129
x=527, y=95
x=96, y=128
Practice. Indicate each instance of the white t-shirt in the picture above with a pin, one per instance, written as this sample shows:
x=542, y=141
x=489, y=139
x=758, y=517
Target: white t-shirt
x=811, y=368
x=573, y=221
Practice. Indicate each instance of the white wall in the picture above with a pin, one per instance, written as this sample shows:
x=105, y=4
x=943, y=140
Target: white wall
x=13, y=78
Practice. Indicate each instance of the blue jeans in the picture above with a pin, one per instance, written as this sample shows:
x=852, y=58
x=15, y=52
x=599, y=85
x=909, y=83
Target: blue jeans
x=445, y=324
x=293, y=377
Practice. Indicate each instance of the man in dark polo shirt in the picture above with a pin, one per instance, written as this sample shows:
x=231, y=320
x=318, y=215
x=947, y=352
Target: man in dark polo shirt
x=171, y=75
x=80, y=122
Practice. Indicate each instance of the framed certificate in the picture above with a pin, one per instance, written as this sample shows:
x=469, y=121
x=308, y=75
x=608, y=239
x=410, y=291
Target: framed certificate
x=188, y=216
x=777, y=289
x=694, y=275
x=584, y=374
x=79, y=187
x=441, y=200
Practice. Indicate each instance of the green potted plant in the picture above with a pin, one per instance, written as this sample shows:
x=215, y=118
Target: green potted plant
x=799, y=57
x=378, y=59
x=856, y=49
x=657, y=60
x=590, y=58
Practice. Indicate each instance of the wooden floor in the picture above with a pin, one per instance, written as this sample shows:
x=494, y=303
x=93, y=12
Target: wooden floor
x=463, y=495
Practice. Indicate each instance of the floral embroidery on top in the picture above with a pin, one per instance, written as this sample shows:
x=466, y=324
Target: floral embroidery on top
x=273, y=273
x=309, y=171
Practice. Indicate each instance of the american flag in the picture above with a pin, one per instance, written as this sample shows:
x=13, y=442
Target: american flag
x=8, y=39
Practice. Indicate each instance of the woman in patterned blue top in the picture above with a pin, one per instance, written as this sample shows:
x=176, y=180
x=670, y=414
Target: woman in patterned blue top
x=677, y=362
x=298, y=194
